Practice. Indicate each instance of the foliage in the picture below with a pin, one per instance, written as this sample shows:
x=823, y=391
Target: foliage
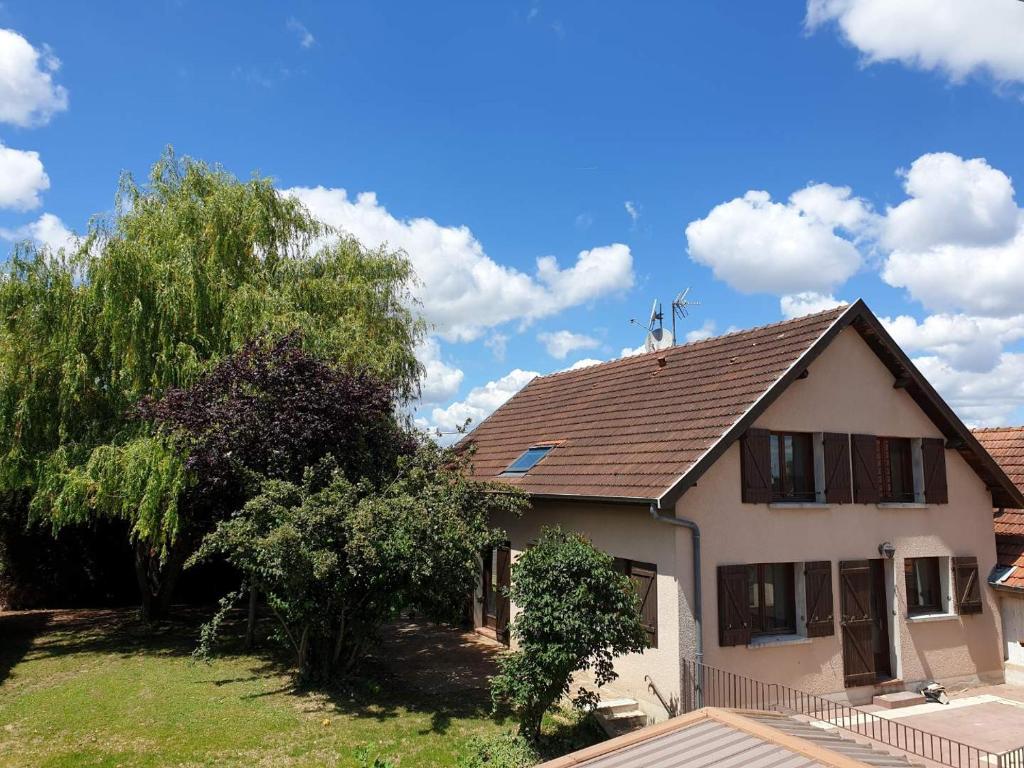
x=337, y=558
x=363, y=759
x=577, y=613
x=188, y=269
x=506, y=750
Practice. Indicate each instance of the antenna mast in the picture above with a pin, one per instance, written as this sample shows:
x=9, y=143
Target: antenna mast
x=680, y=307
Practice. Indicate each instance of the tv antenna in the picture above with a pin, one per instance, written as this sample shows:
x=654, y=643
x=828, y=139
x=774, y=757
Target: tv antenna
x=657, y=336
x=680, y=307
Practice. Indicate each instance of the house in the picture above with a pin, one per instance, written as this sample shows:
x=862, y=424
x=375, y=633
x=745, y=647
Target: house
x=1006, y=444
x=794, y=502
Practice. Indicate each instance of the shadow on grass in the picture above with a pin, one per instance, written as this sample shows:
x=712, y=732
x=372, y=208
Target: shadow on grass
x=19, y=631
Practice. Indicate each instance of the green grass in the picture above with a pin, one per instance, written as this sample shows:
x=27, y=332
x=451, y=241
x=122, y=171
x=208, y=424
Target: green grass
x=98, y=689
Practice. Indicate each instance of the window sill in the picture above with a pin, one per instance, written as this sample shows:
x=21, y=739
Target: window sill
x=925, y=618
x=771, y=641
x=902, y=505
x=799, y=505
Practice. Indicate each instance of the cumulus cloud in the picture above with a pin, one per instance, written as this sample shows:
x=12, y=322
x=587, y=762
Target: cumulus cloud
x=981, y=401
x=953, y=37
x=560, y=343
x=706, y=331
x=28, y=94
x=586, y=362
x=48, y=230
x=464, y=291
x=958, y=240
x=759, y=246
x=440, y=381
x=22, y=178
x=807, y=303
x=480, y=403
x=973, y=344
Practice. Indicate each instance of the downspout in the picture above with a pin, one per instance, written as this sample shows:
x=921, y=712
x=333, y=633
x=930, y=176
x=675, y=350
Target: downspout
x=698, y=601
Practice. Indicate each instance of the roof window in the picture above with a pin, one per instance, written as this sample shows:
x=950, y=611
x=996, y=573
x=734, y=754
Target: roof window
x=527, y=460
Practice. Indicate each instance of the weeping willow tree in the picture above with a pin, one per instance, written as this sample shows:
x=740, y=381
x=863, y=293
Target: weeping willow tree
x=189, y=267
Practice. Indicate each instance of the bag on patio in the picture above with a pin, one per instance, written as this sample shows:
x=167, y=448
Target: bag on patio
x=935, y=692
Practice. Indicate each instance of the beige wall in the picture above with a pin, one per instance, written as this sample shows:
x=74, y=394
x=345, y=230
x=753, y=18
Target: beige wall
x=848, y=390
x=622, y=531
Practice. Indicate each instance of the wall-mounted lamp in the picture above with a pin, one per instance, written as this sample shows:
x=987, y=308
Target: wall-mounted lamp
x=887, y=550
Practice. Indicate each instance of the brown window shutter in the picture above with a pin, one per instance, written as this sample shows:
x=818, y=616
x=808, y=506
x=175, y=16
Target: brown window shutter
x=856, y=621
x=933, y=455
x=865, y=469
x=504, y=563
x=818, y=591
x=836, y=450
x=733, y=605
x=645, y=578
x=966, y=585
x=756, y=466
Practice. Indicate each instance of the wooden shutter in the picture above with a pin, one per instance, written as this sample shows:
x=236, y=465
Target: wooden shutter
x=836, y=450
x=733, y=605
x=756, y=466
x=645, y=579
x=865, y=469
x=966, y=585
x=933, y=455
x=818, y=595
x=504, y=563
x=855, y=617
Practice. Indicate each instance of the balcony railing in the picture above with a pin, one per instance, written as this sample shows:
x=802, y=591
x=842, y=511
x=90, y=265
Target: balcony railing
x=710, y=687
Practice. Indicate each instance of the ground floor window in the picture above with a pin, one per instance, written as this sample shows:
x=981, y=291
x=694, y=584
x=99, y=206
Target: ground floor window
x=772, y=599
x=924, y=585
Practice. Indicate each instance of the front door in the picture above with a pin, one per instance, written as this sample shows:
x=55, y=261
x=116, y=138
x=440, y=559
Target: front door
x=496, y=580
x=864, y=621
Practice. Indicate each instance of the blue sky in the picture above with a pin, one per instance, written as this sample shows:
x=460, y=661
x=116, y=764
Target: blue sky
x=485, y=136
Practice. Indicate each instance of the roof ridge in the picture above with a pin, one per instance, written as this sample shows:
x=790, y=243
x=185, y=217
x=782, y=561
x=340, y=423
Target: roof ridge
x=837, y=310
x=1011, y=428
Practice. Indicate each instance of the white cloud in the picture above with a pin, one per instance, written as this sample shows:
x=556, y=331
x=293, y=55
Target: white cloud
x=958, y=240
x=440, y=381
x=22, y=178
x=706, y=331
x=586, y=362
x=988, y=400
x=47, y=230
x=756, y=245
x=807, y=303
x=633, y=209
x=630, y=351
x=464, y=291
x=28, y=95
x=480, y=403
x=971, y=344
x=498, y=344
x=560, y=343
x=306, y=39
x=956, y=37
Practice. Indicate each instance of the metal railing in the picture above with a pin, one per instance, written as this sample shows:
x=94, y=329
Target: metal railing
x=712, y=687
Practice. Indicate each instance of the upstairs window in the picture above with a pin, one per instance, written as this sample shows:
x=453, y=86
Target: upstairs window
x=528, y=460
x=792, y=466
x=896, y=469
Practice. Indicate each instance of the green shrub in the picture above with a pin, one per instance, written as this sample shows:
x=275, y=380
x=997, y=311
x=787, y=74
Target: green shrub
x=505, y=751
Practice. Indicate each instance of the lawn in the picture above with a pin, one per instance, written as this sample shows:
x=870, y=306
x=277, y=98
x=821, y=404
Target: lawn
x=96, y=688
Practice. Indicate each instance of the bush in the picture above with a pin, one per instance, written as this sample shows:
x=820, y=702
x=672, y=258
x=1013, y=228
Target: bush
x=577, y=613
x=505, y=751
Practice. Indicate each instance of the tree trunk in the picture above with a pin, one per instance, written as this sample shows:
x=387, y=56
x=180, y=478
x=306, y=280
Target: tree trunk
x=157, y=579
x=250, y=627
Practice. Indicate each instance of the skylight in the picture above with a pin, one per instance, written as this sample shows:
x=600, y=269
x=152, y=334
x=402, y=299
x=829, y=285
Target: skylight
x=527, y=460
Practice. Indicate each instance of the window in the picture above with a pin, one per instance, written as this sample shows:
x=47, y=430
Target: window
x=528, y=460
x=896, y=470
x=924, y=585
x=772, y=599
x=792, y=463
x=645, y=580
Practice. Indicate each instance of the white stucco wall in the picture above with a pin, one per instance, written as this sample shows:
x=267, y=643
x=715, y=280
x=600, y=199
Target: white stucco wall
x=625, y=531
x=848, y=390
x=1011, y=605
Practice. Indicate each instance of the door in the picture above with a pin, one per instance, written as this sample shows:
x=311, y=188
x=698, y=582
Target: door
x=864, y=621
x=497, y=570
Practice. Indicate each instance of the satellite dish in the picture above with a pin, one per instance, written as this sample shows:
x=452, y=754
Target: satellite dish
x=658, y=338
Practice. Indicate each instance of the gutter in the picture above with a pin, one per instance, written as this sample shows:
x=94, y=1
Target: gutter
x=698, y=601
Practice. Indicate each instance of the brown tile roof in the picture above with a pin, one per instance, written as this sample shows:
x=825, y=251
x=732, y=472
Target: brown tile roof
x=1006, y=444
x=630, y=428
x=647, y=427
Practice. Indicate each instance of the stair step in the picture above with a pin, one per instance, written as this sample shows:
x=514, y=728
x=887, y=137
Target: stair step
x=612, y=706
x=898, y=700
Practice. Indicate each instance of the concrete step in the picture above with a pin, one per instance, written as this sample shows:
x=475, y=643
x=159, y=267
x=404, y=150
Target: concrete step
x=898, y=700
x=619, y=716
x=614, y=706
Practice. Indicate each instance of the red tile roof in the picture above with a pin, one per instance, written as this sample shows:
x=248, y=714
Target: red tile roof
x=1006, y=445
x=630, y=428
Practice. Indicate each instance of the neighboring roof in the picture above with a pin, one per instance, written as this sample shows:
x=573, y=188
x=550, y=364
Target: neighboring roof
x=645, y=428
x=1006, y=445
x=712, y=737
